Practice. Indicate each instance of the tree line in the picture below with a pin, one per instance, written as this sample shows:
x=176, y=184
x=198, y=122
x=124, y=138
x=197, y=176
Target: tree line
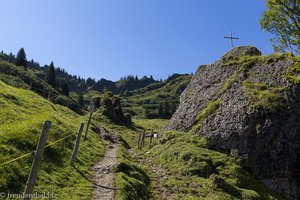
x=165, y=110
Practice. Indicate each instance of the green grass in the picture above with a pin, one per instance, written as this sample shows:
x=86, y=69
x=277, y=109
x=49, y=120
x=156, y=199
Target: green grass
x=22, y=114
x=228, y=83
x=151, y=96
x=200, y=68
x=148, y=124
x=21, y=78
x=264, y=97
x=273, y=58
x=132, y=180
x=211, y=107
x=244, y=62
x=199, y=172
x=293, y=74
x=260, y=96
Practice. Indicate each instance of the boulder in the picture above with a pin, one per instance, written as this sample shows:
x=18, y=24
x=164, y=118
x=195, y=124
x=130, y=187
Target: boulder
x=249, y=105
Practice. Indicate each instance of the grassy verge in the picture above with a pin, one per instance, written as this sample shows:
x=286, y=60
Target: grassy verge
x=198, y=172
x=132, y=179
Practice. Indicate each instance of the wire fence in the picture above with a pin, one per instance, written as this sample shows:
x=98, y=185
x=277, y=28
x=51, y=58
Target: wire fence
x=50, y=144
x=38, y=153
x=49, y=92
x=32, y=152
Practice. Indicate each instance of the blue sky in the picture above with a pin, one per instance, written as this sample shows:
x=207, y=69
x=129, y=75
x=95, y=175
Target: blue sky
x=113, y=38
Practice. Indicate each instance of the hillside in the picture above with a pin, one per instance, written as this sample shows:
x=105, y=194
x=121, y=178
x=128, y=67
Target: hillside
x=21, y=118
x=143, y=98
x=146, y=102
x=248, y=105
x=78, y=84
x=29, y=79
x=179, y=165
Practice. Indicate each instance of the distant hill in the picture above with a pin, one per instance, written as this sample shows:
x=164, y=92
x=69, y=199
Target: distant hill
x=157, y=100
x=143, y=97
x=78, y=84
x=29, y=79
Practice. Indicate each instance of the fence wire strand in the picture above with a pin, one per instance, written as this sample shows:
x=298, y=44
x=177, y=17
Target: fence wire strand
x=31, y=153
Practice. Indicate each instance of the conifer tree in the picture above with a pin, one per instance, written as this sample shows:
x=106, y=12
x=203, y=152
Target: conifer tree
x=11, y=58
x=50, y=76
x=21, y=58
x=65, y=89
x=166, y=109
x=80, y=99
x=160, y=111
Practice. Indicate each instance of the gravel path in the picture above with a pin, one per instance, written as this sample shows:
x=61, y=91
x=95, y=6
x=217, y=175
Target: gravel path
x=104, y=188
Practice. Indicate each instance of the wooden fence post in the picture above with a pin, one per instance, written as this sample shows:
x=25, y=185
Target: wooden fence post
x=75, y=150
x=49, y=94
x=139, y=141
x=90, y=118
x=36, y=161
x=151, y=136
x=143, y=139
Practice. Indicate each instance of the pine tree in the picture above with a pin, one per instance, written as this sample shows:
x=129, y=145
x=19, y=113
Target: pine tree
x=147, y=113
x=90, y=82
x=80, y=99
x=166, y=109
x=65, y=89
x=21, y=58
x=160, y=111
x=50, y=76
x=11, y=58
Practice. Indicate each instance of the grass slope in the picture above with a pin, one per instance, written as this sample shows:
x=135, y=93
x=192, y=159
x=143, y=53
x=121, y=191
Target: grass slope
x=22, y=115
x=196, y=171
x=149, y=98
x=200, y=172
x=19, y=77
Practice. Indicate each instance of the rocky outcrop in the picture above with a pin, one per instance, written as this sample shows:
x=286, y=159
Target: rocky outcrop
x=110, y=106
x=249, y=105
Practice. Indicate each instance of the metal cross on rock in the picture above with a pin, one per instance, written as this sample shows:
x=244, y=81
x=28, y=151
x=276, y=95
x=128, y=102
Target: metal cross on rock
x=231, y=39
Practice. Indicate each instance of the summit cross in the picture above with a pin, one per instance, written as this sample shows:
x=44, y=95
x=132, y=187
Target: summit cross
x=231, y=39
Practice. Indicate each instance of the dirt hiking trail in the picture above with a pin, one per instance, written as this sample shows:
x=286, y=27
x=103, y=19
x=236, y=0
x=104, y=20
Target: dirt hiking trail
x=104, y=179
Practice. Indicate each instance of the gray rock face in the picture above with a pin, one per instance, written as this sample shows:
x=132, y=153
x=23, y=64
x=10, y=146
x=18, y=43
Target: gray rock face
x=257, y=117
x=242, y=51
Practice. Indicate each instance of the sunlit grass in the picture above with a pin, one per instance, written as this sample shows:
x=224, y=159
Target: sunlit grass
x=21, y=118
